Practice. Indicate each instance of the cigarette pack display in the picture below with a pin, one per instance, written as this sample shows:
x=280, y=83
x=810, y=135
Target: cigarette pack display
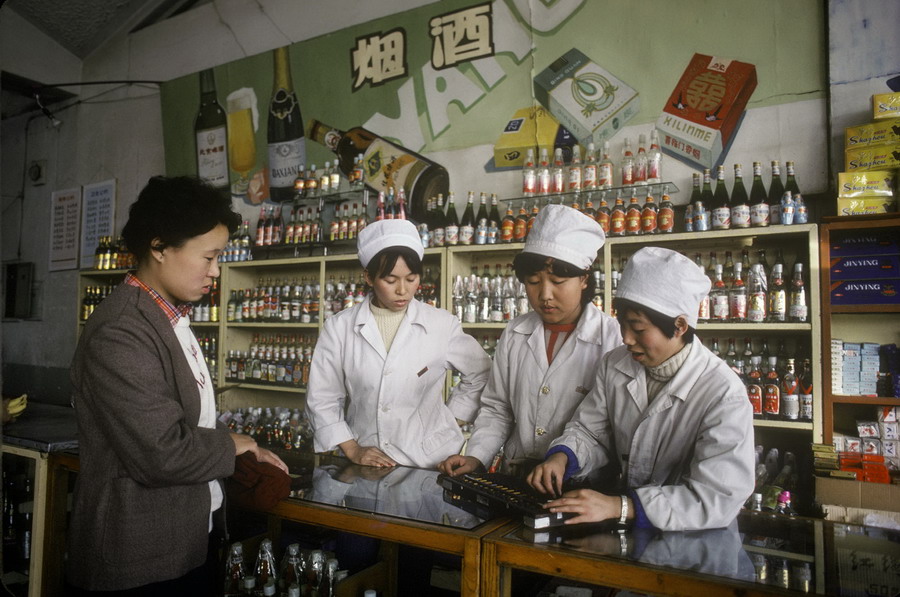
x=871, y=183
x=869, y=242
x=874, y=157
x=890, y=431
x=887, y=414
x=586, y=98
x=879, y=132
x=871, y=445
x=865, y=292
x=865, y=267
x=886, y=105
x=867, y=429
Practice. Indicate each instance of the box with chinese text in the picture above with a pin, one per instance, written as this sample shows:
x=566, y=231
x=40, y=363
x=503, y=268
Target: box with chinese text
x=873, y=157
x=872, y=183
x=886, y=105
x=530, y=128
x=863, y=206
x=587, y=99
x=705, y=110
x=870, y=242
x=880, y=132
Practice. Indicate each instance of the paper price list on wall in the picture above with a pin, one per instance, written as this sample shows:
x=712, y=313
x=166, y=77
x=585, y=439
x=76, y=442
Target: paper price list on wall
x=64, y=218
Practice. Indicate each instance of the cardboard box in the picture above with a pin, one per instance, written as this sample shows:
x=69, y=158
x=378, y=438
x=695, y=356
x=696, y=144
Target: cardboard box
x=874, y=157
x=862, y=267
x=530, y=128
x=880, y=132
x=872, y=183
x=856, y=494
x=870, y=242
x=863, y=206
x=701, y=117
x=587, y=99
x=865, y=292
x=886, y=105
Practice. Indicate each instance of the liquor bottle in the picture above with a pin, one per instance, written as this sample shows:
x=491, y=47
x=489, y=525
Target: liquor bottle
x=654, y=159
x=451, y=229
x=589, y=210
x=759, y=205
x=665, y=219
x=520, y=226
x=777, y=295
x=384, y=164
x=287, y=149
x=589, y=170
x=718, y=298
x=776, y=187
x=737, y=297
x=482, y=209
x=790, y=184
x=507, y=225
x=740, y=205
x=234, y=569
x=605, y=169
x=721, y=206
x=544, y=183
x=343, y=222
x=649, y=214
x=401, y=212
x=535, y=209
x=633, y=215
x=756, y=387
x=603, y=214
x=529, y=175
x=277, y=227
x=703, y=313
x=790, y=393
x=805, y=390
x=772, y=391
x=494, y=220
x=268, y=227
x=627, y=166
x=617, y=218
x=757, y=302
x=557, y=173
x=702, y=207
x=210, y=134
x=291, y=570
x=467, y=224
x=575, y=172
x=798, y=310
x=265, y=563
x=640, y=161
x=439, y=223
x=325, y=179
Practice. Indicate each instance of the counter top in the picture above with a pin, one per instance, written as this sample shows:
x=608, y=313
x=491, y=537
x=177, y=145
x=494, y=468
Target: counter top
x=43, y=427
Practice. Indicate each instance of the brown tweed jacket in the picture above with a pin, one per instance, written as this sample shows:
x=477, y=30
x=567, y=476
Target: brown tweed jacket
x=142, y=501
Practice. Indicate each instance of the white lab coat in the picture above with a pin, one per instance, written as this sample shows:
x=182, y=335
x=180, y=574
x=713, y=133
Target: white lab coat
x=688, y=455
x=394, y=400
x=528, y=401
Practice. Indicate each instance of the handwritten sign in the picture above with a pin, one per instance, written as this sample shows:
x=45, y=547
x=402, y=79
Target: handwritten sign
x=65, y=209
x=97, y=218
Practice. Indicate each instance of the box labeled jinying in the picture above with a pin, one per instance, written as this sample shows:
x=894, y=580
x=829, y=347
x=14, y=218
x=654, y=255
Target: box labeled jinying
x=874, y=242
x=704, y=111
x=865, y=292
x=865, y=267
x=592, y=103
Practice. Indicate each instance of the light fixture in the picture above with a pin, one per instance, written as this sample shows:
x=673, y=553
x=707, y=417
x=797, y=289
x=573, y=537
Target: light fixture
x=54, y=121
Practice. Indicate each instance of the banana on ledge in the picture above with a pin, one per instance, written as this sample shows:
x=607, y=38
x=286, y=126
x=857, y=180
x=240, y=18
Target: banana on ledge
x=14, y=407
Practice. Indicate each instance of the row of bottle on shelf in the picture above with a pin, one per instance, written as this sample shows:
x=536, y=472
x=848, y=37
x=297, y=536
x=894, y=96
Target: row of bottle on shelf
x=279, y=428
x=204, y=311
x=782, y=203
x=113, y=254
x=311, y=183
x=302, y=572
x=776, y=389
x=18, y=507
x=274, y=360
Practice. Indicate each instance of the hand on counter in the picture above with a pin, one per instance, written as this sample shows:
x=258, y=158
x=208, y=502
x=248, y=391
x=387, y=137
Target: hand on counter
x=245, y=443
x=588, y=506
x=366, y=455
x=460, y=465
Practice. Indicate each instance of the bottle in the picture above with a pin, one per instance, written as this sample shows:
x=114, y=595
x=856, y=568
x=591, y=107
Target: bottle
x=718, y=298
x=633, y=215
x=617, y=218
x=665, y=218
x=640, y=161
x=265, y=563
x=627, y=166
x=721, y=206
x=211, y=135
x=772, y=391
x=287, y=149
x=520, y=226
x=507, y=225
x=654, y=159
x=451, y=229
x=790, y=184
x=805, y=390
x=798, y=310
x=703, y=313
x=737, y=297
x=603, y=214
x=544, y=183
x=605, y=169
x=740, y=205
x=649, y=214
x=589, y=170
x=784, y=507
x=703, y=206
x=776, y=187
x=759, y=205
x=756, y=387
x=384, y=164
x=790, y=393
x=529, y=175
x=777, y=296
x=467, y=224
x=494, y=221
x=291, y=571
x=757, y=302
x=575, y=172
x=557, y=173
x=234, y=570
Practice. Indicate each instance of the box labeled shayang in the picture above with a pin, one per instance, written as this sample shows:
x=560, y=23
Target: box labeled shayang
x=874, y=157
x=587, y=99
x=886, y=105
x=865, y=206
x=702, y=116
x=530, y=128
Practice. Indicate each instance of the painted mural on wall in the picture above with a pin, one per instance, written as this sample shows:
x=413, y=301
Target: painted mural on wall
x=382, y=97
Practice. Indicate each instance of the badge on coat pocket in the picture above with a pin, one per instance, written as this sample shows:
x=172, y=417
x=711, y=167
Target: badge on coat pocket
x=582, y=390
x=422, y=372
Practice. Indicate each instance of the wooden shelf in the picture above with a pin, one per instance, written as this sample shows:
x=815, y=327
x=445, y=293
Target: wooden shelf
x=873, y=400
x=796, y=425
x=229, y=385
x=273, y=324
x=863, y=309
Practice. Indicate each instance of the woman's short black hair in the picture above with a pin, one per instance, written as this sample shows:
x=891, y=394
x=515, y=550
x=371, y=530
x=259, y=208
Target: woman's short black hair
x=665, y=323
x=382, y=264
x=527, y=264
x=175, y=210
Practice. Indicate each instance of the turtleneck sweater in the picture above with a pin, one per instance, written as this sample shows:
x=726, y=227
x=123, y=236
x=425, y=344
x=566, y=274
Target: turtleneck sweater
x=388, y=323
x=659, y=376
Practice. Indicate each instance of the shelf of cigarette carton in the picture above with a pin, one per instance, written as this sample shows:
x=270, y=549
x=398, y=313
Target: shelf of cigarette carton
x=273, y=324
x=851, y=399
x=877, y=309
x=261, y=386
x=753, y=327
x=796, y=425
x=697, y=239
x=778, y=553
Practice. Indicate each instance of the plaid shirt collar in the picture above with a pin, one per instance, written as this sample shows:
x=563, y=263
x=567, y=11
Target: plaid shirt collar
x=172, y=312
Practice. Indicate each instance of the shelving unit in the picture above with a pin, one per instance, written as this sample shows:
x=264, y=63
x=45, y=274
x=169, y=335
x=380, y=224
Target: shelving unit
x=852, y=323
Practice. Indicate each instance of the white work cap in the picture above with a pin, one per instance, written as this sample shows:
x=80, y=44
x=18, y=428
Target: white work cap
x=384, y=234
x=665, y=281
x=566, y=234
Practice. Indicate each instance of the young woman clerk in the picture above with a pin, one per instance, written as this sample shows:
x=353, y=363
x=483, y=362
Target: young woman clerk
x=546, y=360
x=150, y=448
x=665, y=411
x=377, y=377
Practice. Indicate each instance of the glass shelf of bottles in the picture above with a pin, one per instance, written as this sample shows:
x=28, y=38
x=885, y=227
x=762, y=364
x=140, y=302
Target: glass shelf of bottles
x=718, y=235
x=798, y=425
x=656, y=189
x=249, y=385
x=751, y=327
x=272, y=323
